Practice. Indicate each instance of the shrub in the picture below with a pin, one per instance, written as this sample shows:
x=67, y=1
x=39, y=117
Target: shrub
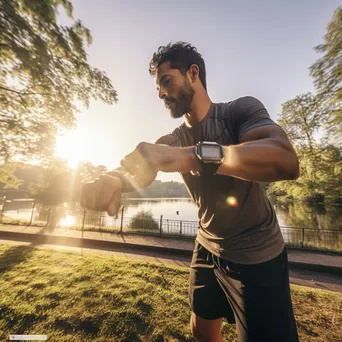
x=143, y=220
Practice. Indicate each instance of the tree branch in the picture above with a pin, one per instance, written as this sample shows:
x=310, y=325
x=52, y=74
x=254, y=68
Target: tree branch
x=22, y=93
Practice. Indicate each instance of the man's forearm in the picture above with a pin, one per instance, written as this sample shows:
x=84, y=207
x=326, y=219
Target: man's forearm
x=264, y=160
x=129, y=183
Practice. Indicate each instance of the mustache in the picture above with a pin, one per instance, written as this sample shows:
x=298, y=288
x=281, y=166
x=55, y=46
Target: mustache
x=169, y=100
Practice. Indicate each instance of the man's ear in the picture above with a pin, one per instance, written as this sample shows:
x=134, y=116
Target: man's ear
x=194, y=72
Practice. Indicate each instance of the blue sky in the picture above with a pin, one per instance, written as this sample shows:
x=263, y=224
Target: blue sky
x=257, y=48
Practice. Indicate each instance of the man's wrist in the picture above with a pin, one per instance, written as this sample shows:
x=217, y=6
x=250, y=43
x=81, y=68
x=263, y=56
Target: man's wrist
x=121, y=176
x=195, y=166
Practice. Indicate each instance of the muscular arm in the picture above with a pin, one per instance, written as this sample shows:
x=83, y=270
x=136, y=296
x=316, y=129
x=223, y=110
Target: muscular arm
x=265, y=155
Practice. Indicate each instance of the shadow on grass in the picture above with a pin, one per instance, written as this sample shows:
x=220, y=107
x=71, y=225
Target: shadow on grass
x=14, y=256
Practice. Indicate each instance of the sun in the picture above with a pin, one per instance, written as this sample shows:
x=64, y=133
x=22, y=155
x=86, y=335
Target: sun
x=74, y=146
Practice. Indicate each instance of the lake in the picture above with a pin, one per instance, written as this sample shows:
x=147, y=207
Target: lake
x=296, y=215
x=290, y=215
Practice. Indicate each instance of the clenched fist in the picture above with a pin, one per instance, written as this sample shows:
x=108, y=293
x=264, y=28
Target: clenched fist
x=103, y=194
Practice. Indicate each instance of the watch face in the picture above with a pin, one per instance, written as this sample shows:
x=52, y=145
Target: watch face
x=211, y=152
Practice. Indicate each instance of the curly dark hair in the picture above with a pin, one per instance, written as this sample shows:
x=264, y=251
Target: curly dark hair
x=181, y=56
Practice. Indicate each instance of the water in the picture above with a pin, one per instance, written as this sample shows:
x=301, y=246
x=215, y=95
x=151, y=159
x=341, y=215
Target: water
x=184, y=209
x=323, y=223
x=289, y=215
x=173, y=209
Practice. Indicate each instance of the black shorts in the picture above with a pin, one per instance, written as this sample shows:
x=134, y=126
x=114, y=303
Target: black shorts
x=255, y=297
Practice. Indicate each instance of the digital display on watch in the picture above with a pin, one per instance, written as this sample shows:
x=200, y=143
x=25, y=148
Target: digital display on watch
x=211, y=152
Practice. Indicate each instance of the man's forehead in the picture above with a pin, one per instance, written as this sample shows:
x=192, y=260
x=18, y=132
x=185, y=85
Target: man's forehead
x=163, y=70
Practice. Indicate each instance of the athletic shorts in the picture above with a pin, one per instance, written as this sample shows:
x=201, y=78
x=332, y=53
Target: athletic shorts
x=255, y=297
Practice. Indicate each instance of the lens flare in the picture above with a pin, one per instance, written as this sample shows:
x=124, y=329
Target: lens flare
x=67, y=221
x=232, y=201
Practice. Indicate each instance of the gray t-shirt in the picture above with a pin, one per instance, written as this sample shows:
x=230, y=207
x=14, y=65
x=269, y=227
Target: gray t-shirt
x=236, y=220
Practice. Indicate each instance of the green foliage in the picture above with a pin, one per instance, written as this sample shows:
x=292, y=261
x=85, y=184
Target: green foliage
x=59, y=184
x=320, y=175
x=7, y=177
x=327, y=74
x=306, y=114
x=320, y=165
x=301, y=118
x=143, y=220
x=54, y=185
x=44, y=72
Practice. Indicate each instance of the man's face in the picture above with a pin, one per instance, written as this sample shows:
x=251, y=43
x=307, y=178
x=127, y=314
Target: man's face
x=174, y=89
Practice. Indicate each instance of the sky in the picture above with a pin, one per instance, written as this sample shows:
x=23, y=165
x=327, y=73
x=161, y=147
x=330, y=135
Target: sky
x=259, y=48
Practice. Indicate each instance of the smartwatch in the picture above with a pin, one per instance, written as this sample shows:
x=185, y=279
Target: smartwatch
x=210, y=154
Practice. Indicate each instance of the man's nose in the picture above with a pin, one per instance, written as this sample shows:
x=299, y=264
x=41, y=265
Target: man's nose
x=162, y=94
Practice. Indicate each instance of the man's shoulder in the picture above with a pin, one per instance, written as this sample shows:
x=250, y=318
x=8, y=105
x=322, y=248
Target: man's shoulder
x=239, y=101
x=246, y=102
x=238, y=105
x=172, y=138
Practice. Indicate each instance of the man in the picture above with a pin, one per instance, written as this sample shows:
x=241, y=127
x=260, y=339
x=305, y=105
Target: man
x=224, y=151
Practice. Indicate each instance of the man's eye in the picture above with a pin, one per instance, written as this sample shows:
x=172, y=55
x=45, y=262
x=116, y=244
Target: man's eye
x=166, y=82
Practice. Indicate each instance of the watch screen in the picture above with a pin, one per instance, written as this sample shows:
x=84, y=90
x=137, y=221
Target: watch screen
x=212, y=152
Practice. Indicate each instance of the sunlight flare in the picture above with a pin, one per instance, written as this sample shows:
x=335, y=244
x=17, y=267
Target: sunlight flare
x=74, y=146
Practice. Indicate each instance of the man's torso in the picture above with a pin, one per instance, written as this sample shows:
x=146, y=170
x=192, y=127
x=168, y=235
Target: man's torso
x=236, y=219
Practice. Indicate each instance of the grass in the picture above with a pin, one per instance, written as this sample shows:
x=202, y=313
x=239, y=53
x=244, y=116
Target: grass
x=71, y=297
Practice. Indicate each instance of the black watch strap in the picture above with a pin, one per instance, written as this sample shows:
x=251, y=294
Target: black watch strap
x=210, y=168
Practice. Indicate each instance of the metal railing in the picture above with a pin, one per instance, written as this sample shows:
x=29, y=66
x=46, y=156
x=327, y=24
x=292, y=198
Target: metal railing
x=322, y=239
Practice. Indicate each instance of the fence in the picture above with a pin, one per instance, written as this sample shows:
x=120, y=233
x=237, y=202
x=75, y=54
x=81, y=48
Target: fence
x=322, y=239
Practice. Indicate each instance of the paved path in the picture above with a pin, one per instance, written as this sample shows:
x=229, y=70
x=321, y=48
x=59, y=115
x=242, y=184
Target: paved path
x=295, y=255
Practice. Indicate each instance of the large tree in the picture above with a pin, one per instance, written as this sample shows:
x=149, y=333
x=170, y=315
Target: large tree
x=320, y=164
x=301, y=118
x=327, y=74
x=44, y=76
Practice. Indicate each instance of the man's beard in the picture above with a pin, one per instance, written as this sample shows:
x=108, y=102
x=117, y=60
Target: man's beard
x=183, y=103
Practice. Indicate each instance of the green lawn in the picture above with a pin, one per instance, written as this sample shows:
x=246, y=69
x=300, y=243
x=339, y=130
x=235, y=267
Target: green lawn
x=95, y=298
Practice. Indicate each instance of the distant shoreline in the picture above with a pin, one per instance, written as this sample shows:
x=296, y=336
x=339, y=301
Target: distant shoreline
x=159, y=198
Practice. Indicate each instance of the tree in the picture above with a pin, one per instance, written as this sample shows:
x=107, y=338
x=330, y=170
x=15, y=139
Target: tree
x=320, y=164
x=44, y=75
x=319, y=180
x=59, y=184
x=54, y=187
x=327, y=74
x=7, y=176
x=301, y=118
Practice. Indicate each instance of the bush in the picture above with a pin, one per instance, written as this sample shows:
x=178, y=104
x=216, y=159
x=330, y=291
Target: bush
x=143, y=220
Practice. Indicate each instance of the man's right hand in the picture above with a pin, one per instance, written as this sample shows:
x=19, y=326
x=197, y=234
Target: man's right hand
x=103, y=194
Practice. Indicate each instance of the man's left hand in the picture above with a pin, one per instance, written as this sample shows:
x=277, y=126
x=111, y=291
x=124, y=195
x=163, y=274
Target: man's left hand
x=150, y=158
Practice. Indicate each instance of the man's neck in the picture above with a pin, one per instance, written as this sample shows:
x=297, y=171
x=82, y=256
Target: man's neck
x=200, y=108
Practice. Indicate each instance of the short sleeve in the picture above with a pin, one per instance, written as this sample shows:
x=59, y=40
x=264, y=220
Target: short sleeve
x=164, y=140
x=171, y=139
x=247, y=113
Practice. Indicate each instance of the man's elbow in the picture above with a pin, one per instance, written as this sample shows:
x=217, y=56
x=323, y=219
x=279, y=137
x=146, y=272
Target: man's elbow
x=294, y=172
x=288, y=169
